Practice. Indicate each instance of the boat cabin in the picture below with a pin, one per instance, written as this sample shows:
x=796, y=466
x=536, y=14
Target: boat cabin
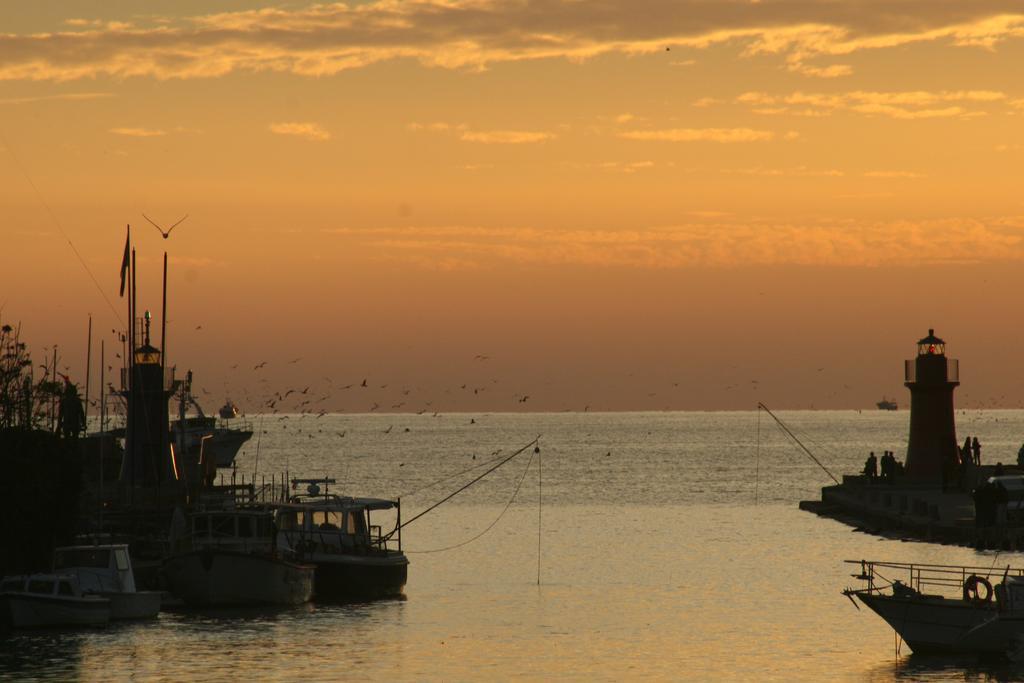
x=99, y=568
x=337, y=523
x=240, y=529
x=349, y=525
x=41, y=584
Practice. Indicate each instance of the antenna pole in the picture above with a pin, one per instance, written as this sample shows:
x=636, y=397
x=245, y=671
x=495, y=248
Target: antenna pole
x=54, y=425
x=103, y=436
x=132, y=404
x=163, y=367
x=88, y=367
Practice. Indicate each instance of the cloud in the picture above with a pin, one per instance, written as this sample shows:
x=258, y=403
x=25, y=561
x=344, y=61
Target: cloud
x=487, y=137
x=714, y=242
x=797, y=172
x=309, y=131
x=723, y=135
x=69, y=97
x=139, y=132
x=505, y=137
x=438, y=126
x=627, y=166
x=912, y=104
x=707, y=101
x=806, y=36
x=893, y=174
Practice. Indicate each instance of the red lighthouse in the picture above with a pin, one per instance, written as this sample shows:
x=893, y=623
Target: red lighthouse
x=931, y=378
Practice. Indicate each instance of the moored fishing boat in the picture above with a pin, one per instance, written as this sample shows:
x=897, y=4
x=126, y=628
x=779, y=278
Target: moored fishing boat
x=229, y=558
x=201, y=437
x=43, y=600
x=106, y=570
x=946, y=609
x=354, y=558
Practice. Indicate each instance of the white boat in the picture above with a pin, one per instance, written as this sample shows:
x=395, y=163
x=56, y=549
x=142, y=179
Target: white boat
x=200, y=437
x=229, y=558
x=41, y=600
x=946, y=609
x=106, y=570
x=354, y=558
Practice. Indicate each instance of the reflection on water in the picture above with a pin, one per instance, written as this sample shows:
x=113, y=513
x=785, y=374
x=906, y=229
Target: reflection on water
x=932, y=668
x=54, y=655
x=655, y=561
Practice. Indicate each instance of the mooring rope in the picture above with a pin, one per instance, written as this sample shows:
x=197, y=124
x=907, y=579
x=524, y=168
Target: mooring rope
x=463, y=488
x=757, y=457
x=798, y=442
x=490, y=526
x=448, y=477
x=57, y=224
x=540, y=506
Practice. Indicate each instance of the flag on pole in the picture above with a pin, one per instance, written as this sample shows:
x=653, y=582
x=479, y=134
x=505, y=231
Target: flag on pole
x=124, y=261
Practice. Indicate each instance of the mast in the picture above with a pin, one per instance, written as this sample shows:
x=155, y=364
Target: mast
x=103, y=416
x=164, y=445
x=53, y=398
x=88, y=368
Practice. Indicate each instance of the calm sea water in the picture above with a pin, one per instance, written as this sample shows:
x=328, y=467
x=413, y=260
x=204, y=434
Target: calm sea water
x=671, y=547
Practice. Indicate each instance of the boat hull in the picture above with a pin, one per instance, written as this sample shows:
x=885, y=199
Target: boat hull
x=226, y=578
x=351, y=578
x=226, y=444
x=26, y=610
x=936, y=625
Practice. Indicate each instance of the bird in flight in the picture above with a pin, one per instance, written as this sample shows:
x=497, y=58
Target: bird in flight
x=166, y=233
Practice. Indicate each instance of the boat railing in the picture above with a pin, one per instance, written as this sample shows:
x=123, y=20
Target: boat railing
x=238, y=424
x=380, y=540
x=340, y=541
x=926, y=578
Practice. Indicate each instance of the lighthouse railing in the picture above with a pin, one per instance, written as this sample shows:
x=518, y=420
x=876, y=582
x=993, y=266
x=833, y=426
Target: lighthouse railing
x=952, y=370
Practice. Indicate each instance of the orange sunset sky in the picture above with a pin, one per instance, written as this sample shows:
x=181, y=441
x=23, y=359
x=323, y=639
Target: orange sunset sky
x=633, y=205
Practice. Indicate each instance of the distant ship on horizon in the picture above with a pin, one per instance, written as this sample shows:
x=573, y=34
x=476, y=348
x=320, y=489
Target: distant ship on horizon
x=886, y=404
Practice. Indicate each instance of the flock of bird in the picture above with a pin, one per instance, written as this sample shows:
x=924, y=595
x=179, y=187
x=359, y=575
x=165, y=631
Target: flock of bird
x=309, y=401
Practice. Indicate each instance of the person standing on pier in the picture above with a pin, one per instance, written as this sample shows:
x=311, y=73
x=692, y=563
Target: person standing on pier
x=888, y=469
x=871, y=467
x=976, y=447
x=965, y=452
